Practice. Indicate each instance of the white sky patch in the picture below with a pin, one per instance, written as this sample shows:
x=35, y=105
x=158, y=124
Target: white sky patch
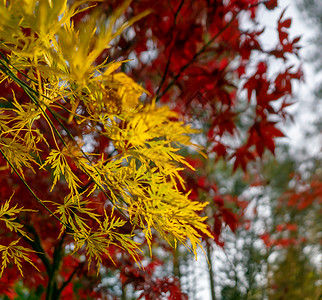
x=307, y=110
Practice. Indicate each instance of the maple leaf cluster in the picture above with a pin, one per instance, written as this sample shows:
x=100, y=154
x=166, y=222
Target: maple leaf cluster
x=97, y=152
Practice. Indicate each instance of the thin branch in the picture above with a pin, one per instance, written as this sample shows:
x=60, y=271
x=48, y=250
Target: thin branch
x=201, y=51
x=32, y=192
x=171, y=51
x=69, y=279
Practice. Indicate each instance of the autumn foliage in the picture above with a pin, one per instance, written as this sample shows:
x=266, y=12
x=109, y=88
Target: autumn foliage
x=102, y=108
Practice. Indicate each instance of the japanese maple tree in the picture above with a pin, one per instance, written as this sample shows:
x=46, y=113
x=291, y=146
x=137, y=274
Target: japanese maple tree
x=90, y=171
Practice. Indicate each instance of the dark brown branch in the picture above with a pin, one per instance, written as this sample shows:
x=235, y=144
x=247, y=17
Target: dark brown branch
x=69, y=279
x=170, y=54
x=36, y=245
x=201, y=51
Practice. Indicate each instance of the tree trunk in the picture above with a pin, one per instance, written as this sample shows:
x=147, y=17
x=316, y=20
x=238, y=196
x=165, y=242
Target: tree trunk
x=211, y=273
x=176, y=264
x=52, y=292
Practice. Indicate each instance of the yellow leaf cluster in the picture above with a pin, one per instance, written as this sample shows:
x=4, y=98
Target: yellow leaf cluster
x=16, y=254
x=56, y=61
x=13, y=252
